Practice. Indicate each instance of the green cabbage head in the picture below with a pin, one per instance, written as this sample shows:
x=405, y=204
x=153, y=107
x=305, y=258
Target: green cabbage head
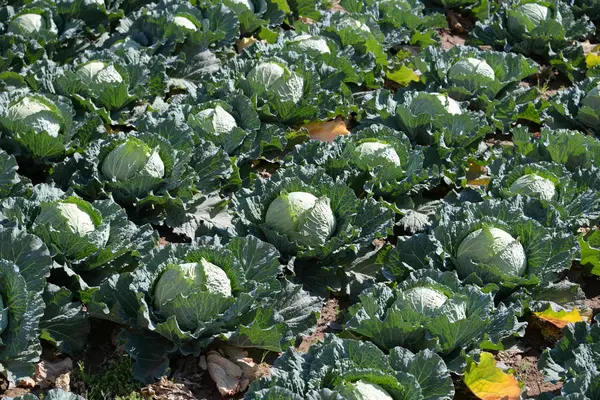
x=184, y=22
x=592, y=98
x=97, y=75
x=37, y=114
x=534, y=186
x=378, y=153
x=471, y=74
x=492, y=247
x=434, y=104
x=28, y=24
x=302, y=217
x=216, y=120
x=274, y=78
x=67, y=217
x=308, y=43
x=364, y=390
x=133, y=159
x=526, y=17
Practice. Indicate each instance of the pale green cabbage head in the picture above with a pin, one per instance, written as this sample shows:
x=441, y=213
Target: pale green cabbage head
x=493, y=247
x=216, y=120
x=529, y=16
x=434, y=104
x=97, y=75
x=302, y=217
x=187, y=278
x=471, y=72
x=248, y=3
x=66, y=217
x=363, y=390
x=424, y=300
x=184, y=22
x=378, y=153
x=37, y=114
x=132, y=159
x=592, y=98
x=309, y=42
x=272, y=77
x=353, y=24
x=27, y=24
x=535, y=186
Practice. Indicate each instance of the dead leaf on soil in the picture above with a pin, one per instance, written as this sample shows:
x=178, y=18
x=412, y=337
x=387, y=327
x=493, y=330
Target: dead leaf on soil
x=167, y=390
x=328, y=130
x=232, y=369
x=56, y=374
x=488, y=382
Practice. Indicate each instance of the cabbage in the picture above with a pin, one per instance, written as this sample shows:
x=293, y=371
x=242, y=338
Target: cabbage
x=26, y=24
x=96, y=75
x=535, y=186
x=184, y=22
x=308, y=42
x=247, y=3
x=353, y=24
x=434, y=104
x=471, y=74
x=304, y=218
x=527, y=17
x=31, y=112
x=424, y=300
x=66, y=217
x=132, y=159
x=216, y=120
x=493, y=247
x=363, y=390
x=592, y=98
x=378, y=153
x=272, y=77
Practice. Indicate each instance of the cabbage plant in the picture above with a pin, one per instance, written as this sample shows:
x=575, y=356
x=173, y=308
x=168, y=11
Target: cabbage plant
x=557, y=197
x=351, y=369
x=374, y=159
x=535, y=28
x=154, y=173
x=231, y=123
x=488, y=80
x=577, y=107
x=574, y=359
x=181, y=297
x=432, y=310
x=305, y=213
x=494, y=242
x=93, y=239
x=24, y=265
x=38, y=126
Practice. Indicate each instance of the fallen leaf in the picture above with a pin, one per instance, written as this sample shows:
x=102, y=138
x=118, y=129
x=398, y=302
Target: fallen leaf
x=488, y=382
x=328, y=130
x=560, y=318
x=167, y=390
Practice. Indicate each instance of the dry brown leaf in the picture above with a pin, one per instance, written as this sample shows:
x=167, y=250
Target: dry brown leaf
x=167, y=390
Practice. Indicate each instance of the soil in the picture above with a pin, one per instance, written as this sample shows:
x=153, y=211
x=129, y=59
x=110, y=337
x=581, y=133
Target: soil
x=449, y=39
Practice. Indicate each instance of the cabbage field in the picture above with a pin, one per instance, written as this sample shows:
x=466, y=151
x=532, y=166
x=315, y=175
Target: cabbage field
x=300, y=199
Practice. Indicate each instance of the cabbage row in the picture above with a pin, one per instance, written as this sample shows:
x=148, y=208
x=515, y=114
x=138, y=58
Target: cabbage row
x=194, y=171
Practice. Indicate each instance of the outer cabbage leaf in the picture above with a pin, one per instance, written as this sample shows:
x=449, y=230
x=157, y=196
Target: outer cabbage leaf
x=576, y=107
x=329, y=370
x=25, y=264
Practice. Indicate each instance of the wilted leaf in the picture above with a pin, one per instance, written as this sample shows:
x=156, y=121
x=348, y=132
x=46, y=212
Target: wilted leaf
x=488, y=382
x=560, y=318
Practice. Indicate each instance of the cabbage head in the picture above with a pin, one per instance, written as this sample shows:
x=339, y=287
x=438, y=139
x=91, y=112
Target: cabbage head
x=184, y=22
x=592, y=98
x=180, y=284
x=526, y=17
x=471, y=74
x=216, y=120
x=535, y=186
x=133, y=160
x=364, y=390
x=32, y=24
x=493, y=247
x=97, y=75
x=275, y=79
x=302, y=217
x=311, y=43
x=378, y=153
x=435, y=104
x=37, y=114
